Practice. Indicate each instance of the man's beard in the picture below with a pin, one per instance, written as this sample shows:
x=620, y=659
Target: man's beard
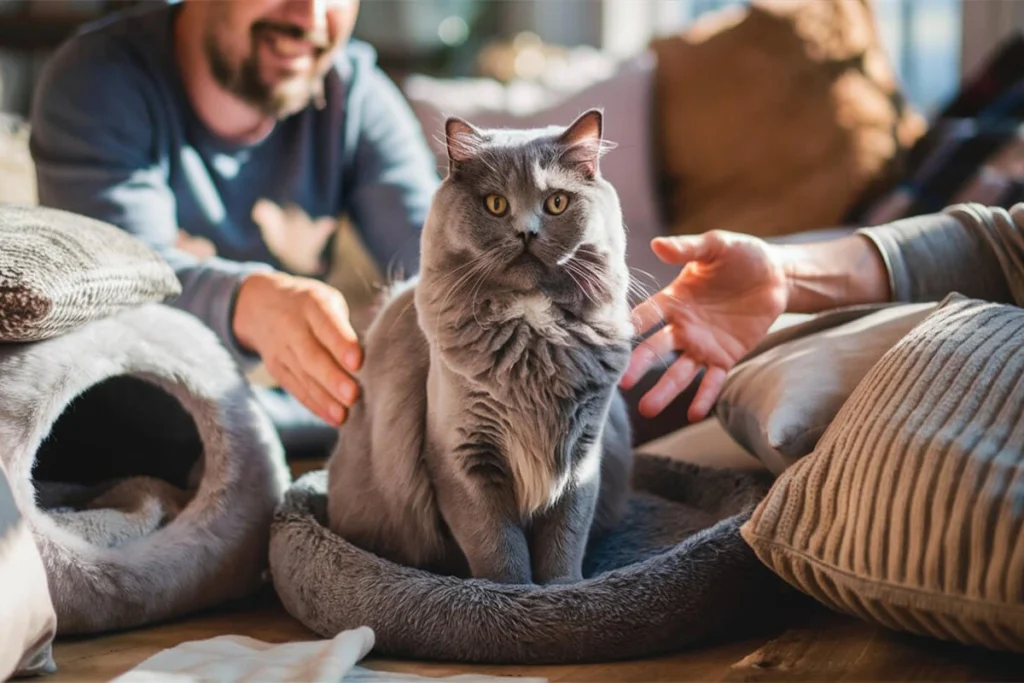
x=244, y=81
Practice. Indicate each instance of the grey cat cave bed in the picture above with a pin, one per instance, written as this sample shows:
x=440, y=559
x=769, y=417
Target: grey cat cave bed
x=674, y=574
x=146, y=471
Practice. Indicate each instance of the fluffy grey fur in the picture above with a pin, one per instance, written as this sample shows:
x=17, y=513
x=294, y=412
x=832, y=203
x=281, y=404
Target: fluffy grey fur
x=490, y=440
x=179, y=546
x=673, y=574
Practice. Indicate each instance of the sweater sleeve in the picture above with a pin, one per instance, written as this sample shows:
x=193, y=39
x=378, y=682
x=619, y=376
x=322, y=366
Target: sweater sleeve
x=972, y=249
x=96, y=152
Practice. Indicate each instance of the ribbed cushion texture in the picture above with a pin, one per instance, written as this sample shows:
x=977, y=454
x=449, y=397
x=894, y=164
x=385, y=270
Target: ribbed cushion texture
x=910, y=511
x=59, y=270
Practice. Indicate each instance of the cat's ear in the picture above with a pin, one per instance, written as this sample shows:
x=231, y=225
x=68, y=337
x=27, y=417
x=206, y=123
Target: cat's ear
x=462, y=139
x=583, y=144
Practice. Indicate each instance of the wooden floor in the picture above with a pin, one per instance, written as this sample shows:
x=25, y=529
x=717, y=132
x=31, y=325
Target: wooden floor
x=811, y=645
x=805, y=643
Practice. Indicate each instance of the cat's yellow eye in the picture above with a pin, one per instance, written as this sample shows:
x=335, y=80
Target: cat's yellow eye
x=496, y=204
x=556, y=203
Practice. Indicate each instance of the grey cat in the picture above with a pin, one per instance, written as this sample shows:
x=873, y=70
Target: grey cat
x=490, y=439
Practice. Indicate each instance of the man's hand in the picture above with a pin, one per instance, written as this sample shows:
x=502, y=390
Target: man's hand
x=731, y=289
x=300, y=329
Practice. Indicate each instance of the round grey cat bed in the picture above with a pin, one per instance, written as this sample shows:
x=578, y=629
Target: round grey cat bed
x=146, y=471
x=674, y=574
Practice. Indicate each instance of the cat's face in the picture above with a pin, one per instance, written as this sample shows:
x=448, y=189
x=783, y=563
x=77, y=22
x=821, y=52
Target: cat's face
x=528, y=211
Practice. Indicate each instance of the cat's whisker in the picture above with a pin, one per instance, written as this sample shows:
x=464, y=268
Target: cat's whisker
x=450, y=291
x=587, y=284
x=635, y=273
x=487, y=272
x=479, y=263
x=405, y=310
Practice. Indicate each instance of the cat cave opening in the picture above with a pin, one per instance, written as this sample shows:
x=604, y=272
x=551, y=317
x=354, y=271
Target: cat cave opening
x=121, y=461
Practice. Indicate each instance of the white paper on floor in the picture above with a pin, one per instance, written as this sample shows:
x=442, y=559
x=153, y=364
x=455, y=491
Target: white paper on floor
x=231, y=659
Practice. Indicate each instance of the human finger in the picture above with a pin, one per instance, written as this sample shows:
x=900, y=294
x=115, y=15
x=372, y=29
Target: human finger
x=329, y=322
x=657, y=309
x=656, y=349
x=710, y=387
x=679, y=250
x=672, y=383
x=312, y=360
x=310, y=395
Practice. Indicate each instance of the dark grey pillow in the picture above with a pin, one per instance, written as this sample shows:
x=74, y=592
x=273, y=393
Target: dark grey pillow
x=59, y=270
x=778, y=402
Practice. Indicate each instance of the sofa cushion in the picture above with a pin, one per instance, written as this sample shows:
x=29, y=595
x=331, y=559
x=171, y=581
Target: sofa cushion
x=59, y=270
x=777, y=117
x=779, y=400
x=910, y=511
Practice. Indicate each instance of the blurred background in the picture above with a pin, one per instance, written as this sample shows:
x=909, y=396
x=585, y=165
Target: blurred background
x=779, y=118
x=931, y=42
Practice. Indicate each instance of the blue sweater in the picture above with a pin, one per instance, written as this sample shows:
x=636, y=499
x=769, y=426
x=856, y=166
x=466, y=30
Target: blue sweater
x=114, y=137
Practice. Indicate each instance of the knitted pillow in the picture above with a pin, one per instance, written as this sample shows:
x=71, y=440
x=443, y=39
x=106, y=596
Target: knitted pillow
x=910, y=511
x=59, y=270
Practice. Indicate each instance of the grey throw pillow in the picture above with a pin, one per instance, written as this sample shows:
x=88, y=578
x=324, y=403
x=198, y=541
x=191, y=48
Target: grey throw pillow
x=910, y=511
x=59, y=270
x=779, y=400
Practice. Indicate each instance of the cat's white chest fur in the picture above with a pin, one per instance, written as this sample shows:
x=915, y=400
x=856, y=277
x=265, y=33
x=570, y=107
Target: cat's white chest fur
x=538, y=486
x=537, y=311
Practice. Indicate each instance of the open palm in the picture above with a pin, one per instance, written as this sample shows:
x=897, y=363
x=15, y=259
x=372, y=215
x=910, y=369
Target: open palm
x=731, y=289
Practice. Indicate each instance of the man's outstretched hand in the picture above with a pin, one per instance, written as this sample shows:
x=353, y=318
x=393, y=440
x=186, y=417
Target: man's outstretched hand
x=300, y=328
x=731, y=289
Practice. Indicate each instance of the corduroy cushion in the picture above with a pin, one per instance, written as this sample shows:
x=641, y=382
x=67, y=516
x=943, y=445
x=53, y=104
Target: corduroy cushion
x=910, y=511
x=59, y=270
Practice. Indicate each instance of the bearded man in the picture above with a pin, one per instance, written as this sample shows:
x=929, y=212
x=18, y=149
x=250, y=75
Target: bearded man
x=181, y=122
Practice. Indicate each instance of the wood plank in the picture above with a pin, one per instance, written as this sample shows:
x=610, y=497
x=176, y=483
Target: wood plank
x=815, y=645
x=834, y=647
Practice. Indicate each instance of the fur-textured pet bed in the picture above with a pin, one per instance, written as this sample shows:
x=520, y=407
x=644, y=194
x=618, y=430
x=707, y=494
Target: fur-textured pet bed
x=146, y=471
x=675, y=573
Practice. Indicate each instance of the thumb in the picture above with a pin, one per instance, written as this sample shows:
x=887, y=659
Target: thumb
x=682, y=249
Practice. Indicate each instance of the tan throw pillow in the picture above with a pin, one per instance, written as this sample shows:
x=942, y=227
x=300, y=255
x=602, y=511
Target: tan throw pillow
x=779, y=401
x=28, y=622
x=777, y=117
x=59, y=270
x=910, y=512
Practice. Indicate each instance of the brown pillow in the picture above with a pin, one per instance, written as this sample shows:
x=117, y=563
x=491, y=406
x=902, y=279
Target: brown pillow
x=910, y=511
x=777, y=117
x=59, y=270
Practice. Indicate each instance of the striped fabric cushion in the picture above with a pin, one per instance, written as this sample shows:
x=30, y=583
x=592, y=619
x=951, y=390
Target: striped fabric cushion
x=59, y=270
x=910, y=511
